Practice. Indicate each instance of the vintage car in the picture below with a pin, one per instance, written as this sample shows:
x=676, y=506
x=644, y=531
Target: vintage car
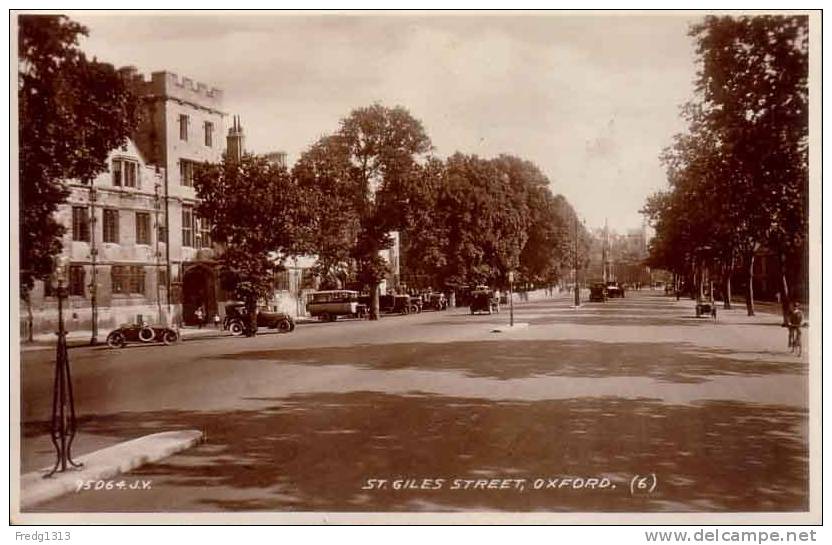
x=614, y=289
x=416, y=304
x=484, y=300
x=435, y=301
x=598, y=292
x=235, y=319
x=394, y=304
x=143, y=333
x=328, y=305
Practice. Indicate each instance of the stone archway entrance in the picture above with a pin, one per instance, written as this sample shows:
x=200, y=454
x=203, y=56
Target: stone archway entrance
x=199, y=288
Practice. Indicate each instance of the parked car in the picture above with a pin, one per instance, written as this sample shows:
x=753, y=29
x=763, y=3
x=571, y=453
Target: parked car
x=328, y=305
x=416, y=304
x=484, y=300
x=235, y=319
x=436, y=301
x=598, y=292
x=143, y=333
x=614, y=289
x=394, y=304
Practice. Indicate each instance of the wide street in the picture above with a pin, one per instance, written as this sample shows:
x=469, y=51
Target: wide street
x=712, y=416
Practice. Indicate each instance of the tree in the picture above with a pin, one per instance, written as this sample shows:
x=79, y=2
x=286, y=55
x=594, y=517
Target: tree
x=754, y=92
x=72, y=112
x=364, y=164
x=259, y=215
x=739, y=176
x=326, y=176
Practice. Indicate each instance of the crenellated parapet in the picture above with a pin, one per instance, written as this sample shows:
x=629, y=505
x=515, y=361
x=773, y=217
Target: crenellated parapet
x=169, y=85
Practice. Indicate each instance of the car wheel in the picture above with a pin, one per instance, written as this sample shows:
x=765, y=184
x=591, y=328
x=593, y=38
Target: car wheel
x=284, y=326
x=236, y=329
x=169, y=336
x=146, y=334
x=116, y=339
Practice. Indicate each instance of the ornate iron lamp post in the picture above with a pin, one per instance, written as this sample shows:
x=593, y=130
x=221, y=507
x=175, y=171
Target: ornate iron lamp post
x=63, y=404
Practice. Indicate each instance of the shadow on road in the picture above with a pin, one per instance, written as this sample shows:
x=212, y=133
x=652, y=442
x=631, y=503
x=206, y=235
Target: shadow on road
x=668, y=362
x=315, y=452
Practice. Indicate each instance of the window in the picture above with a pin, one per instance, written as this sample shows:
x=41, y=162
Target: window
x=183, y=127
x=162, y=277
x=187, y=226
x=204, y=233
x=110, y=225
x=80, y=223
x=186, y=172
x=307, y=279
x=209, y=134
x=126, y=280
x=281, y=281
x=76, y=280
x=136, y=280
x=118, y=279
x=142, y=228
x=125, y=173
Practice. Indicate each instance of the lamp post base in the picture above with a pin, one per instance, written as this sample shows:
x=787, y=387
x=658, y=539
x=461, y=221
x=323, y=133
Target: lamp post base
x=63, y=402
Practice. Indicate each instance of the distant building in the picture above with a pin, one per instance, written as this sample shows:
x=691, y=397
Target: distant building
x=277, y=158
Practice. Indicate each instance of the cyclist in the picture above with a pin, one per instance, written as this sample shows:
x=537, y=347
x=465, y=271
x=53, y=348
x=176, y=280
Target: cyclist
x=795, y=320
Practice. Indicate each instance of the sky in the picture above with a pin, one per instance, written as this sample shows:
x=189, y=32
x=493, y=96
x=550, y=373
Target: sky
x=591, y=99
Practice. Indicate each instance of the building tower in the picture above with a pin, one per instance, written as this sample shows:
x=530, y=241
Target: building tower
x=235, y=141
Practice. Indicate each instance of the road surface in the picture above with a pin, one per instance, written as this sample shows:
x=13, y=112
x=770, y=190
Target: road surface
x=630, y=405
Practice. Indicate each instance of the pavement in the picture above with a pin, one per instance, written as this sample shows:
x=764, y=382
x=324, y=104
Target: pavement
x=81, y=338
x=716, y=412
x=95, y=469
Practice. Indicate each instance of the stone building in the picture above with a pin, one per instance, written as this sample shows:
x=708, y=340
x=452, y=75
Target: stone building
x=182, y=127
x=112, y=238
x=137, y=248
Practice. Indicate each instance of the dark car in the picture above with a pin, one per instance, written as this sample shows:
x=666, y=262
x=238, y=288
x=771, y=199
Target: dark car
x=614, y=289
x=142, y=333
x=484, y=300
x=394, y=304
x=436, y=301
x=597, y=293
x=235, y=319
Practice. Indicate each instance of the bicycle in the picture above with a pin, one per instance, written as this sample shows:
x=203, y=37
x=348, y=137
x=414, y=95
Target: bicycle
x=795, y=339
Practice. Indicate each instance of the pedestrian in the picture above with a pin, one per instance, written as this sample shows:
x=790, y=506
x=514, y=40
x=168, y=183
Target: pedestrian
x=199, y=314
x=216, y=321
x=794, y=320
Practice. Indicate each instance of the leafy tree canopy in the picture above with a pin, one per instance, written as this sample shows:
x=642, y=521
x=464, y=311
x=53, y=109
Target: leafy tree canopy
x=73, y=111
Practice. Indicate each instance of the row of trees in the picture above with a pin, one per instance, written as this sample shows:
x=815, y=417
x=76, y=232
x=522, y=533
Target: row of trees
x=462, y=220
x=739, y=175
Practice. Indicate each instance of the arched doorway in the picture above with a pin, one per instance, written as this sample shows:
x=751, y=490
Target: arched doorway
x=198, y=289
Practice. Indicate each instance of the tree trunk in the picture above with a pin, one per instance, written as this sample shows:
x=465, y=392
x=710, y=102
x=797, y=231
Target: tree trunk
x=677, y=285
x=30, y=320
x=749, y=289
x=251, y=326
x=726, y=291
x=726, y=284
x=785, y=295
x=374, y=302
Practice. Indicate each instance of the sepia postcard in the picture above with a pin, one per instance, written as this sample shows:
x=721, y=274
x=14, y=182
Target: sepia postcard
x=428, y=267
